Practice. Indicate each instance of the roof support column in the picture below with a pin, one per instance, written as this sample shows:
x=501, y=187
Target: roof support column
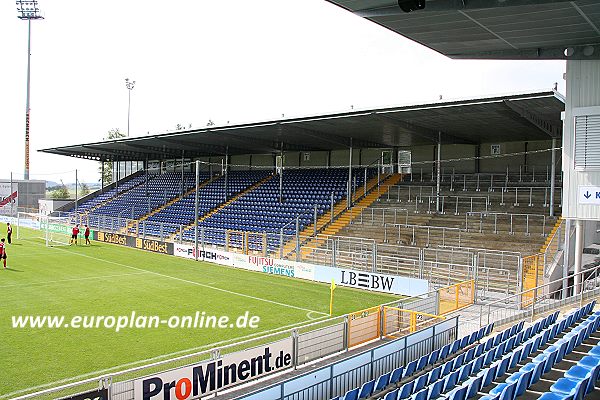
x=195, y=213
x=280, y=173
x=117, y=177
x=101, y=178
x=182, y=168
x=349, y=195
x=578, y=255
x=566, y=258
x=225, y=170
x=438, y=168
x=552, y=177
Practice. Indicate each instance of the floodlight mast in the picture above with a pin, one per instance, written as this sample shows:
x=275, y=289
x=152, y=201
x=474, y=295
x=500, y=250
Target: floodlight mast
x=129, y=85
x=28, y=10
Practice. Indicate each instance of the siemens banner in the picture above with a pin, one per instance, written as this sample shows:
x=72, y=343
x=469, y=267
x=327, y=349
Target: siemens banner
x=195, y=381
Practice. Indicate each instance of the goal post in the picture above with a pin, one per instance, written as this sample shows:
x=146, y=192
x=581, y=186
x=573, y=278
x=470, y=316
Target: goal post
x=55, y=231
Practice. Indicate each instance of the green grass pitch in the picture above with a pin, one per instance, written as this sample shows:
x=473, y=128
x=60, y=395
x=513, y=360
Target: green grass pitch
x=105, y=279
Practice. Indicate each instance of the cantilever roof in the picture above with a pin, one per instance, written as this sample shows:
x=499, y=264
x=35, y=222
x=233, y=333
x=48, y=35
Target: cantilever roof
x=493, y=29
x=517, y=117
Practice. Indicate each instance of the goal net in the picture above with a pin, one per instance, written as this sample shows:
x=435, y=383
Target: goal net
x=55, y=231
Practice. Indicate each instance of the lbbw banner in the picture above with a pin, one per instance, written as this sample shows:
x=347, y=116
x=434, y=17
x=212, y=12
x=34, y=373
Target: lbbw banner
x=8, y=195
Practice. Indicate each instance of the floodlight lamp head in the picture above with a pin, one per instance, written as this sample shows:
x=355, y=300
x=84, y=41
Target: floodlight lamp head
x=411, y=5
x=28, y=9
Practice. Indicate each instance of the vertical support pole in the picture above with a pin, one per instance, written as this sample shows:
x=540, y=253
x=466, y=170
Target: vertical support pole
x=226, y=171
x=12, y=202
x=578, y=254
x=281, y=174
x=332, y=201
x=315, y=220
x=101, y=177
x=281, y=244
x=349, y=195
x=76, y=194
x=182, y=168
x=116, y=178
x=365, y=184
x=552, y=177
x=297, y=238
x=195, y=212
x=566, y=257
x=438, y=172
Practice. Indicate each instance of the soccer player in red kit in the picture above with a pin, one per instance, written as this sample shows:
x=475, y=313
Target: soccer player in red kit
x=87, y=235
x=74, y=234
x=3, y=252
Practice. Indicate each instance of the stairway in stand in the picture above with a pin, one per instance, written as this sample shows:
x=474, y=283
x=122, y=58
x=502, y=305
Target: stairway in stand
x=167, y=204
x=534, y=267
x=221, y=206
x=104, y=202
x=341, y=216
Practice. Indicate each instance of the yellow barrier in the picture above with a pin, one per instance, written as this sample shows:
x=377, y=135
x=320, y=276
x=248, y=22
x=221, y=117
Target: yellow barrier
x=364, y=325
x=398, y=322
x=457, y=296
x=531, y=271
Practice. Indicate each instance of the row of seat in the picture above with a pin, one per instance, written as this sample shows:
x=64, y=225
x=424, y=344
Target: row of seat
x=392, y=378
x=488, y=362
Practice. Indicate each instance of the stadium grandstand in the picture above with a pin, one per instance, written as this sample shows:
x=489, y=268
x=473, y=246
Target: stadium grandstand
x=462, y=209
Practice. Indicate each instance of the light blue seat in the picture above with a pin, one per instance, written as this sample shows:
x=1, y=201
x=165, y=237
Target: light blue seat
x=570, y=387
x=578, y=372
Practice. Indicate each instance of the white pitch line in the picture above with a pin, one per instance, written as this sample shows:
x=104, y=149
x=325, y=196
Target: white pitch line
x=70, y=280
x=195, y=283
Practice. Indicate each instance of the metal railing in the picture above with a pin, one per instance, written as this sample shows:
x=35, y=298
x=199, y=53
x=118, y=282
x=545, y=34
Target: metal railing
x=553, y=248
x=549, y=296
x=504, y=222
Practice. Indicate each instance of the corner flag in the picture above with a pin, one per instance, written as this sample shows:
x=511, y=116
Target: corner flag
x=331, y=289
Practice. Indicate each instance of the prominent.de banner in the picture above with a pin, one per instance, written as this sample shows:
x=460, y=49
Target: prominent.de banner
x=199, y=380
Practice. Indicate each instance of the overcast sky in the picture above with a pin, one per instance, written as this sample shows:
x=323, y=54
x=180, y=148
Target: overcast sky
x=230, y=61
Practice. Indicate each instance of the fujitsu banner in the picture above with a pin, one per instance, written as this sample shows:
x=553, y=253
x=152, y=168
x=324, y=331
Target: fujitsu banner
x=8, y=195
x=199, y=380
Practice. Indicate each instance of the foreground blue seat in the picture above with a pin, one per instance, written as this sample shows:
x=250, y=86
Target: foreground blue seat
x=366, y=390
x=382, y=382
x=570, y=387
x=578, y=372
x=406, y=390
x=396, y=375
x=351, y=394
